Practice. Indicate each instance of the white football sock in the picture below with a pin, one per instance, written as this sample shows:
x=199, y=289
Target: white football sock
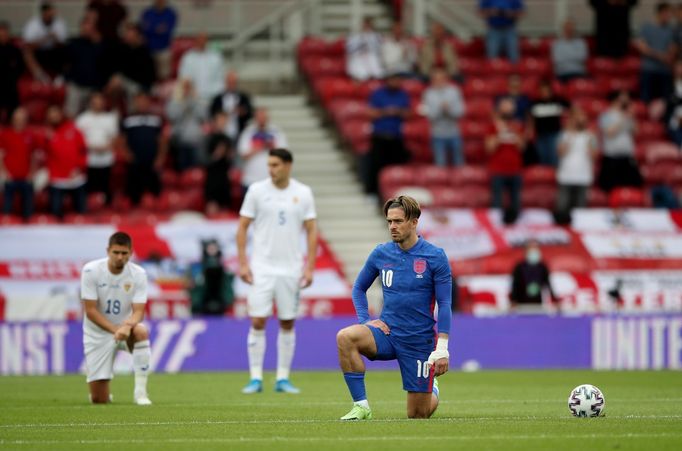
x=255, y=345
x=142, y=355
x=364, y=403
x=286, y=344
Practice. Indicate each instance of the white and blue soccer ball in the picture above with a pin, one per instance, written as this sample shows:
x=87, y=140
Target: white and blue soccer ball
x=586, y=401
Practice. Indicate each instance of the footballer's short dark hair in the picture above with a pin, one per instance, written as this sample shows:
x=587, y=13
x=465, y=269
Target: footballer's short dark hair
x=121, y=239
x=409, y=205
x=282, y=154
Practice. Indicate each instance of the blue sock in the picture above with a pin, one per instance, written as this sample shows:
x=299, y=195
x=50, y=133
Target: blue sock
x=356, y=385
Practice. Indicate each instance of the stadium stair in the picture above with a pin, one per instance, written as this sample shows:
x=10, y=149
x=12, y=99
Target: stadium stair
x=350, y=224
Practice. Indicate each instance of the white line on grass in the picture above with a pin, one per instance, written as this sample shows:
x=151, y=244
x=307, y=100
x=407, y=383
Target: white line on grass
x=319, y=421
x=391, y=438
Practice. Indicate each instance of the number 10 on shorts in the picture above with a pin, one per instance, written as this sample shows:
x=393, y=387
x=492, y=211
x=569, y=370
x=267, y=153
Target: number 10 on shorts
x=423, y=369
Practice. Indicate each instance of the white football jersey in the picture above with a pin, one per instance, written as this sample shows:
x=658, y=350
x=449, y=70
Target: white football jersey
x=278, y=216
x=115, y=293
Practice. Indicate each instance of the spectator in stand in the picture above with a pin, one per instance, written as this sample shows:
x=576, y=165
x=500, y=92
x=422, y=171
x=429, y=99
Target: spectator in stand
x=146, y=149
x=85, y=67
x=186, y=115
x=11, y=68
x=501, y=17
x=217, y=189
x=612, y=26
x=18, y=147
x=100, y=129
x=363, y=53
x=439, y=52
x=44, y=37
x=569, y=54
x=158, y=24
x=204, y=67
x=257, y=139
x=545, y=114
x=236, y=104
x=530, y=279
x=388, y=108
x=617, y=126
x=673, y=114
x=504, y=143
x=657, y=45
x=398, y=52
x=110, y=15
x=521, y=101
x=577, y=153
x=66, y=153
x=444, y=106
x=133, y=66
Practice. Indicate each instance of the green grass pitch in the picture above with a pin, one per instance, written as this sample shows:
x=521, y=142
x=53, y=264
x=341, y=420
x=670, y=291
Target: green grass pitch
x=510, y=410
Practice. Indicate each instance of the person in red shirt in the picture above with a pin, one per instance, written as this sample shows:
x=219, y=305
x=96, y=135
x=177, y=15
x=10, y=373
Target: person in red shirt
x=504, y=143
x=18, y=162
x=66, y=162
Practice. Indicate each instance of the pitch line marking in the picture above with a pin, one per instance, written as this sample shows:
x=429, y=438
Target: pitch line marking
x=313, y=421
x=341, y=438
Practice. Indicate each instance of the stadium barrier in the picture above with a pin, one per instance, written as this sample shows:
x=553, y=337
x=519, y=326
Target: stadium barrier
x=510, y=342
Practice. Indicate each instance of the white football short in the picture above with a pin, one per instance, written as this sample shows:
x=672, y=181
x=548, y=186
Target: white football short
x=99, y=357
x=283, y=289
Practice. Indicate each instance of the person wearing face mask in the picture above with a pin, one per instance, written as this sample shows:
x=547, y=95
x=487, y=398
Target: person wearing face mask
x=577, y=151
x=530, y=278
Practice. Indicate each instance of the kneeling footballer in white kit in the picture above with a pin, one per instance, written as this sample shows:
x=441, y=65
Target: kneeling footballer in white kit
x=114, y=294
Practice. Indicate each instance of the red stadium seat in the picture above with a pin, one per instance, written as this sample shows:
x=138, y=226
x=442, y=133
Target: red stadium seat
x=474, y=151
x=344, y=109
x=315, y=67
x=535, y=67
x=656, y=173
x=613, y=83
x=627, y=198
x=420, y=150
x=43, y=219
x=661, y=151
x=539, y=175
x=193, y=178
x=539, y=197
x=603, y=66
x=597, y=198
x=479, y=108
x=536, y=47
x=417, y=129
x=583, y=88
x=431, y=176
x=169, y=178
x=447, y=197
x=471, y=48
x=484, y=87
x=650, y=131
x=76, y=218
x=397, y=175
x=469, y=176
x=31, y=89
x=10, y=219
x=331, y=88
x=593, y=107
x=414, y=88
x=95, y=202
x=37, y=110
x=498, y=66
x=472, y=129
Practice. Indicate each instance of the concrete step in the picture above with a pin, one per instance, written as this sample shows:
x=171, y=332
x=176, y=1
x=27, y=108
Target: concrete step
x=373, y=9
x=281, y=102
x=323, y=191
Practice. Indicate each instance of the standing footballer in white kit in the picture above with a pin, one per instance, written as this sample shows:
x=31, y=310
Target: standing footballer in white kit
x=279, y=208
x=114, y=294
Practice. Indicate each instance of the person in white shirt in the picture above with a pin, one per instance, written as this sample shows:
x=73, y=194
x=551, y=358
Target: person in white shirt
x=100, y=129
x=204, y=67
x=114, y=294
x=254, y=143
x=44, y=36
x=363, y=53
x=398, y=53
x=577, y=151
x=279, y=207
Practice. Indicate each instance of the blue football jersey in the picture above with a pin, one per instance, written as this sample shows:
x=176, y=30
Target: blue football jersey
x=413, y=281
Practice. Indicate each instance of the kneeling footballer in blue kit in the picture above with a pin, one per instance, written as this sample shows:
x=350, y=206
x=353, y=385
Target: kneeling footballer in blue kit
x=415, y=275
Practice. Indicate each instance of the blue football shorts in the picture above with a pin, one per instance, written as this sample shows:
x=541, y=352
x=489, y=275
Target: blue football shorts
x=412, y=356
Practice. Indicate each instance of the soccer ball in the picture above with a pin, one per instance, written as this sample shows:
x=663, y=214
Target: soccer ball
x=586, y=401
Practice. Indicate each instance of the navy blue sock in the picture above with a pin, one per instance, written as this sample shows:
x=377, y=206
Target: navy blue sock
x=356, y=385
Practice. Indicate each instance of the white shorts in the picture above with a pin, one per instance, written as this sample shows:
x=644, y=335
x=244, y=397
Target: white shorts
x=99, y=358
x=283, y=289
